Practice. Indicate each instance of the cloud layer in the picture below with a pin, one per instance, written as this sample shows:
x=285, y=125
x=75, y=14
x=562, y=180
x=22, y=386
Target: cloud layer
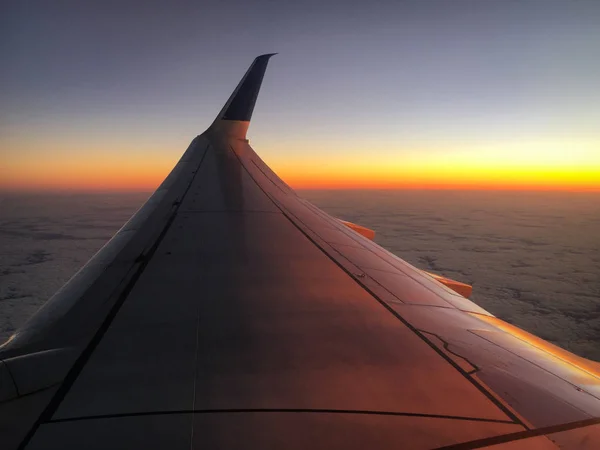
x=532, y=258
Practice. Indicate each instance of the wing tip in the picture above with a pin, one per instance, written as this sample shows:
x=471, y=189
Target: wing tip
x=240, y=105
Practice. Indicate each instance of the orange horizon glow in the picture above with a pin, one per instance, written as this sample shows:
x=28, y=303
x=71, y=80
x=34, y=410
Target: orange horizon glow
x=127, y=174
x=503, y=166
x=425, y=183
x=147, y=176
x=507, y=165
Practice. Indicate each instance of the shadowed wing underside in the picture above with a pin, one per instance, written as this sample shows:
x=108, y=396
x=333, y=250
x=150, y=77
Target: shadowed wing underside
x=231, y=313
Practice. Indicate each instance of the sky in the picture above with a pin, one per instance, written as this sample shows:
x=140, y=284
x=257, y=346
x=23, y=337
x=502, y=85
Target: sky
x=491, y=94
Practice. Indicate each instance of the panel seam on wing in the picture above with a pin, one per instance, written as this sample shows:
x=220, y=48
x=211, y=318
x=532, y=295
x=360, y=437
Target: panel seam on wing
x=283, y=410
x=474, y=382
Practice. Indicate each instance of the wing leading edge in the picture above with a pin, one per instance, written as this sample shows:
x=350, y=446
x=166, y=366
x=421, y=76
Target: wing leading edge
x=229, y=312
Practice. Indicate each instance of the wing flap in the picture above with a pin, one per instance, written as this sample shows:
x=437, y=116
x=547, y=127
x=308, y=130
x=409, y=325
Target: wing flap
x=363, y=231
x=460, y=288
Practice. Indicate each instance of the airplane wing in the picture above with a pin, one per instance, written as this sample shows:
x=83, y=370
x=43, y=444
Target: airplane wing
x=231, y=313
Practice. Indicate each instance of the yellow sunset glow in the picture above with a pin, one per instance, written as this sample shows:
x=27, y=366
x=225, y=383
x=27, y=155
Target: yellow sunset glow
x=531, y=165
x=536, y=165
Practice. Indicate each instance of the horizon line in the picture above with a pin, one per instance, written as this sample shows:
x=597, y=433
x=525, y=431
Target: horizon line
x=124, y=190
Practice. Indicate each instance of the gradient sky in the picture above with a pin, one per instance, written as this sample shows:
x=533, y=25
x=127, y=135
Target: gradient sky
x=481, y=93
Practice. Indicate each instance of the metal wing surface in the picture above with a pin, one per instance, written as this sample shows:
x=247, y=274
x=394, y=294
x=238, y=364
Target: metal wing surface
x=231, y=313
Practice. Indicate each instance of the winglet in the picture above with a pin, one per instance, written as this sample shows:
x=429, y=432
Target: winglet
x=235, y=116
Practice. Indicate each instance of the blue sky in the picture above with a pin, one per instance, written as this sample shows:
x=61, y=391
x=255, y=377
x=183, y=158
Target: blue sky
x=351, y=78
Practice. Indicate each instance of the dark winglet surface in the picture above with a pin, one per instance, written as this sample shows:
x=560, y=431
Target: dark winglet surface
x=241, y=103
